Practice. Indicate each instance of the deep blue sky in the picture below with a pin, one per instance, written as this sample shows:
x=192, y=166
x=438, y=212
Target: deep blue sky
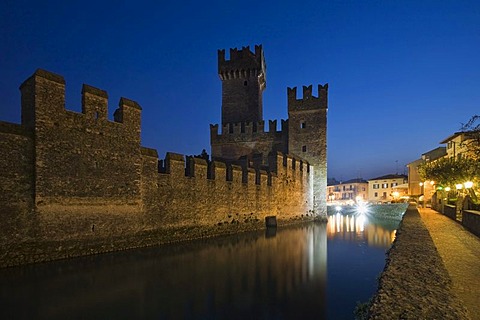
x=402, y=75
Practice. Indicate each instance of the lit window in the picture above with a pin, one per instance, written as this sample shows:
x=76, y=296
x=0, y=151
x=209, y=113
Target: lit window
x=384, y=185
x=375, y=186
x=303, y=125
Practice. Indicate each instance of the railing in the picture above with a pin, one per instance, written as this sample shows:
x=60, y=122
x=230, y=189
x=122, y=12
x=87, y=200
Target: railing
x=450, y=211
x=471, y=221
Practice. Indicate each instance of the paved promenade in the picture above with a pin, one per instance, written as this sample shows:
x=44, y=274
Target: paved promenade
x=432, y=271
x=460, y=252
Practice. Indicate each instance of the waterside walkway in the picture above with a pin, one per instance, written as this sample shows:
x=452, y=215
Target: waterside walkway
x=460, y=253
x=432, y=271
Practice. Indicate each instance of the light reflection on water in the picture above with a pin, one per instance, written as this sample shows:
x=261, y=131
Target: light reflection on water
x=355, y=227
x=279, y=274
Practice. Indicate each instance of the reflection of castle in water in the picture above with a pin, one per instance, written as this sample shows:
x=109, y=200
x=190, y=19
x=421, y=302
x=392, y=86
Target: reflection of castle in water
x=243, y=277
x=357, y=227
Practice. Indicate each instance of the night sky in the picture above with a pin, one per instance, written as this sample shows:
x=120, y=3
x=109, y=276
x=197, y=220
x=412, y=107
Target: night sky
x=402, y=75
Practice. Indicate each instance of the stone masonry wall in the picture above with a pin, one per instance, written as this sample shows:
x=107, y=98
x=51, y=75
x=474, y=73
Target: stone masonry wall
x=247, y=139
x=82, y=159
x=307, y=136
x=77, y=183
x=16, y=181
x=207, y=198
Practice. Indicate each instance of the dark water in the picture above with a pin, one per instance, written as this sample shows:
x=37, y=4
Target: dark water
x=312, y=271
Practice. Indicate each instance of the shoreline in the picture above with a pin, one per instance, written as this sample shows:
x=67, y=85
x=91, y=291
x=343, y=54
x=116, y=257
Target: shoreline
x=415, y=283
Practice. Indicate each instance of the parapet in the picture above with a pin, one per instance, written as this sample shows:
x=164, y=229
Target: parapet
x=242, y=64
x=308, y=101
x=247, y=128
x=178, y=166
x=43, y=99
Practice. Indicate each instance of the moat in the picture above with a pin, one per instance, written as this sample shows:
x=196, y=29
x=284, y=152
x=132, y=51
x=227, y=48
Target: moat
x=312, y=270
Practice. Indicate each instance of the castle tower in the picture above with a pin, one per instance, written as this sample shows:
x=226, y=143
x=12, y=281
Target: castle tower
x=243, y=82
x=307, y=136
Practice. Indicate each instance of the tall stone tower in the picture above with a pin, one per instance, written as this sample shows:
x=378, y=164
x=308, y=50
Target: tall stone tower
x=243, y=82
x=307, y=136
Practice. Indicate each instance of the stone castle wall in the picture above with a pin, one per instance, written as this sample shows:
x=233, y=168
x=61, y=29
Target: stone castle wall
x=244, y=138
x=77, y=183
x=307, y=136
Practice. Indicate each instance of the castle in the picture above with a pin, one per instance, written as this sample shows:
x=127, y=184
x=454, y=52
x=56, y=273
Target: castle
x=243, y=133
x=74, y=183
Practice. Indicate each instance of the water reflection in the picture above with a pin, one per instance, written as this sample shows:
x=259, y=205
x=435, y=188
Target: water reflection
x=280, y=275
x=377, y=225
x=359, y=227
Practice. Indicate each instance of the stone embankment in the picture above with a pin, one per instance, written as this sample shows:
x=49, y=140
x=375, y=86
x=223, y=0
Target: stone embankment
x=415, y=283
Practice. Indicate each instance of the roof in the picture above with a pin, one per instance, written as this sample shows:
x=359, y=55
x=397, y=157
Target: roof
x=390, y=176
x=357, y=180
x=456, y=134
x=434, y=154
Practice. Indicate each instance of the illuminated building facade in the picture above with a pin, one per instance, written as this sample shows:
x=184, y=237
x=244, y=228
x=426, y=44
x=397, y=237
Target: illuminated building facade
x=347, y=192
x=387, y=188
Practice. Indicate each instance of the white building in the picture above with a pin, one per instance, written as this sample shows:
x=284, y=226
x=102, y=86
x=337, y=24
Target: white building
x=387, y=188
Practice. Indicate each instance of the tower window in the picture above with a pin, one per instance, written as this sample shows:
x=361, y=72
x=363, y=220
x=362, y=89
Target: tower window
x=245, y=83
x=304, y=149
x=303, y=125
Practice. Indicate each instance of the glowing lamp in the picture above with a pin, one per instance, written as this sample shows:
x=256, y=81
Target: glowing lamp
x=420, y=184
x=432, y=182
x=447, y=189
x=459, y=186
x=468, y=184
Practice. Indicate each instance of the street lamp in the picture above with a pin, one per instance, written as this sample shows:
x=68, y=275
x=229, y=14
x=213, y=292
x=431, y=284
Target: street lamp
x=468, y=184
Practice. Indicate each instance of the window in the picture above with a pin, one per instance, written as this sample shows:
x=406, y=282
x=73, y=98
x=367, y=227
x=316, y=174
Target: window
x=394, y=184
x=304, y=149
x=303, y=124
x=343, y=188
x=384, y=185
x=376, y=194
x=375, y=186
x=363, y=189
x=384, y=195
x=245, y=83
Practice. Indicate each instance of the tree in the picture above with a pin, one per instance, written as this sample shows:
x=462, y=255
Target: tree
x=450, y=171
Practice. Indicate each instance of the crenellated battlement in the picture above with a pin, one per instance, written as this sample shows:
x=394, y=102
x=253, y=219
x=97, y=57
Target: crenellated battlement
x=242, y=64
x=308, y=101
x=43, y=99
x=247, y=128
x=178, y=166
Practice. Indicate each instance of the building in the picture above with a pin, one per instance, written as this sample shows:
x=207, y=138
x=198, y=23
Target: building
x=82, y=179
x=244, y=140
x=347, y=192
x=416, y=186
x=387, y=188
x=458, y=145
